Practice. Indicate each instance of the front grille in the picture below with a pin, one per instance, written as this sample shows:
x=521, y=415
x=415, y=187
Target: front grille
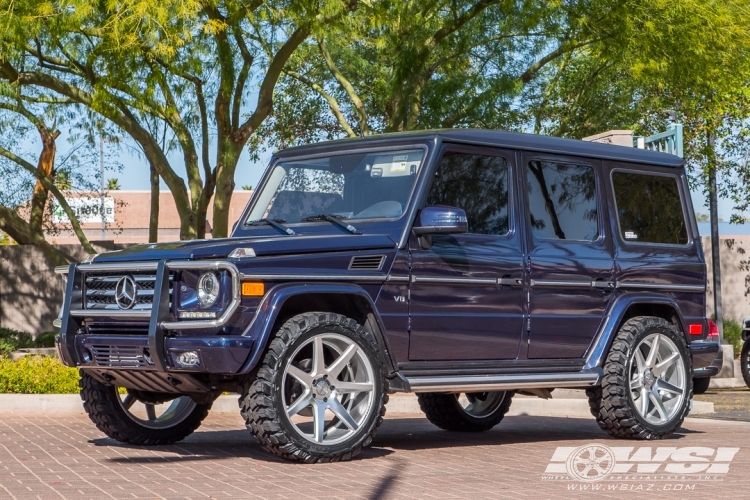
x=113, y=356
x=101, y=288
x=99, y=327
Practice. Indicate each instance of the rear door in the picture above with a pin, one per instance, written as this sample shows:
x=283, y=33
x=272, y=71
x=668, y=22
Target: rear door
x=466, y=291
x=571, y=264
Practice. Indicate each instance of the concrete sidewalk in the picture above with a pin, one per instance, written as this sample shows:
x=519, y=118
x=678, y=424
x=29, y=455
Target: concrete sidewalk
x=565, y=403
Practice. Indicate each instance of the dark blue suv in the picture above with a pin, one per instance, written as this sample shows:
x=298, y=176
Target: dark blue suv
x=463, y=266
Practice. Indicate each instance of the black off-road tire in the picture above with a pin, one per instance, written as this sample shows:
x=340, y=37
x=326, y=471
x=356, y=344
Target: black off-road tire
x=110, y=418
x=261, y=404
x=700, y=385
x=444, y=411
x=745, y=362
x=611, y=403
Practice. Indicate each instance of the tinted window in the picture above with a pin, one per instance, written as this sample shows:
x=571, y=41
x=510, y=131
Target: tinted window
x=477, y=184
x=562, y=201
x=649, y=208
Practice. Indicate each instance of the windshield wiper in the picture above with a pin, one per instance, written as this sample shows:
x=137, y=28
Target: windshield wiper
x=333, y=219
x=274, y=223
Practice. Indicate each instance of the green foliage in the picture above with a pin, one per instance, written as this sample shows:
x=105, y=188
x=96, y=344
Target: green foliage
x=37, y=375
x=733, y=335
x=113, y=184
x=12, y=340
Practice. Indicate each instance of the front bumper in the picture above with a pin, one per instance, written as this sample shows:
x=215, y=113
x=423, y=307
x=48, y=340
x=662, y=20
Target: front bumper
x=158, y=348
x=708, y=358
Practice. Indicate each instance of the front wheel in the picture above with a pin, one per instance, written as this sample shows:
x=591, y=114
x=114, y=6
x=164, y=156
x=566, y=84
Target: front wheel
x=320, y=392
x=646, y=388
x=470, y=412
x=138, y=417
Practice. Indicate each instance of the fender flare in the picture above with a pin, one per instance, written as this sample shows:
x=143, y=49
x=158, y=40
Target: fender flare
x=261, y=326
x=600, y=346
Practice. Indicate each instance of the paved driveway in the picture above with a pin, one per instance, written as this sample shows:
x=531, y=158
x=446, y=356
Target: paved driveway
x=64, y=456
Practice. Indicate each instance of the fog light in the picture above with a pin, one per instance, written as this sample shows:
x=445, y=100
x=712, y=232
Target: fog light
x=188, y=359
x=86, y=356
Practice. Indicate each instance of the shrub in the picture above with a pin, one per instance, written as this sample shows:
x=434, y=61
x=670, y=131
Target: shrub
x=11, y=340
x=733, y=335
x=37, y=375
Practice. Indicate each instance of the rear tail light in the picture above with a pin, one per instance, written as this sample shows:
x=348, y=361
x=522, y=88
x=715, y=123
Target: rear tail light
x=695, y=329
x=713, y=328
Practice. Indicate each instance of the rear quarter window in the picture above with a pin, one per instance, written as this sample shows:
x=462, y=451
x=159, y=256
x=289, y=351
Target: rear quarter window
x=649, y=208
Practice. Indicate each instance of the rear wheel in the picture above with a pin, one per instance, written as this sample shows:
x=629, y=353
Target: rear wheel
x=646, y=388
x=700, y=385
x=137, y=417
x=467, y=412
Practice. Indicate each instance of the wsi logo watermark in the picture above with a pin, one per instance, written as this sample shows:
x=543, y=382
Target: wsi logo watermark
x=593, y=463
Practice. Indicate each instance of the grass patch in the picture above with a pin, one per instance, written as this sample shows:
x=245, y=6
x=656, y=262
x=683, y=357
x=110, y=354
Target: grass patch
x=37, y=375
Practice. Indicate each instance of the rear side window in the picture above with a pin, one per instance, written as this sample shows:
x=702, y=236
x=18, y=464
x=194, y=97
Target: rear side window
x=562, y=201
x=649, y=208
x=478, y=184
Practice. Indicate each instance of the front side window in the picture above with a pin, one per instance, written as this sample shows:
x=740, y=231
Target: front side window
x=649, y=208
x=478, y=184
x=562, y=201
x=361, y=185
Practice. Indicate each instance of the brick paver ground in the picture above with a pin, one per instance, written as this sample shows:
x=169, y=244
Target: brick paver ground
x=64, y=456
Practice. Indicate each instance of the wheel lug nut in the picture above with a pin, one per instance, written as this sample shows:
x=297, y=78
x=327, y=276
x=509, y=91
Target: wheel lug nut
x=333, y=387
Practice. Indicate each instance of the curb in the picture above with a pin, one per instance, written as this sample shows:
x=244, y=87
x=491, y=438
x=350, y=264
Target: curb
x=398, y=404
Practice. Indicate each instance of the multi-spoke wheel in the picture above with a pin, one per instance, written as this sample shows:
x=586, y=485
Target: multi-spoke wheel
x=646, y=388
x=658, y=380
x=470, y=412
x=143, y=418
x=320, y=392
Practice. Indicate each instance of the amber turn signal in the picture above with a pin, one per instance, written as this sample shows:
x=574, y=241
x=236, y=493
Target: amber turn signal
x=253, y=289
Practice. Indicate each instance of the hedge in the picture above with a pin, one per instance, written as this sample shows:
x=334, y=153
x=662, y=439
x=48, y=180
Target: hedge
x=37, y=375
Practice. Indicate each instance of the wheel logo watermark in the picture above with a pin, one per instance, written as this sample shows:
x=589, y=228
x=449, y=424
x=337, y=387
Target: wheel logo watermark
x=598, y=467
x=592, y=462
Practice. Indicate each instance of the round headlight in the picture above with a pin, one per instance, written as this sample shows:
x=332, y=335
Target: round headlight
x=208, y=289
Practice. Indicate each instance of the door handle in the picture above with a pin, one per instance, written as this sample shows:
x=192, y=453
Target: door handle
x=603, y=284
x=508, y=281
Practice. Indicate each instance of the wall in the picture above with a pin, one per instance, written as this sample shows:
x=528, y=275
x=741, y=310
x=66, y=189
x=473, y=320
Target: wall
x=30, y=291
x=734, y=253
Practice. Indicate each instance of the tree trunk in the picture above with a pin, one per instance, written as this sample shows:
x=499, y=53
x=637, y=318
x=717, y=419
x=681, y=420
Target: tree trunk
x=153, y=221
x=224, y=189
x=21, y=232
x=45, y=166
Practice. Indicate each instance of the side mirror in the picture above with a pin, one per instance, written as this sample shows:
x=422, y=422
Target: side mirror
x=440, y=219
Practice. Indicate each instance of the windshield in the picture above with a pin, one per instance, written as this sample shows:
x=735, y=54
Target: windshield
x=361, y=185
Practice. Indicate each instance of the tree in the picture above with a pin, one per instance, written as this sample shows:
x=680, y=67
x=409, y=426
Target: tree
x=113, y=184
x=19, y=114
x=186, y=64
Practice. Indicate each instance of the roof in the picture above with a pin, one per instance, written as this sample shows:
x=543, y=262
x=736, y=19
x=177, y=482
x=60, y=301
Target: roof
x=498, y=138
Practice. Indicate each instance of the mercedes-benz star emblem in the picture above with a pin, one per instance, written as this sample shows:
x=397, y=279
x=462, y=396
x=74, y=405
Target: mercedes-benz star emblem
x=125, y=292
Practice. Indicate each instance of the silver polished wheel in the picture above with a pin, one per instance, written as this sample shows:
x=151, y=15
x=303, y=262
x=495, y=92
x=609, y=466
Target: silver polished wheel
x=657, y=379
x=157, y=415
x=328, y=386
x=481, y=404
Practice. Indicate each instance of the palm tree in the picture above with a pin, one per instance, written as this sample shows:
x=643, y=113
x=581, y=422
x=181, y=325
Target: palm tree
x=113, y=184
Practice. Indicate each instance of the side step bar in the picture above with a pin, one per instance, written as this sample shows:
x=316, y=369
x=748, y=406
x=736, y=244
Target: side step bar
x=482, y=383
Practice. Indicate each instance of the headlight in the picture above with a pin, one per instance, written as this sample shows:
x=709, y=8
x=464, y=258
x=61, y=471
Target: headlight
x=208, y=289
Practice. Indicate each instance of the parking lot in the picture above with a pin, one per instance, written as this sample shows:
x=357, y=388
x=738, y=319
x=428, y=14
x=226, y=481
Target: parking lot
x=64, y=456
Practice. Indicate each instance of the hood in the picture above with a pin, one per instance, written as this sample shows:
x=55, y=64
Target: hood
x=263, y=246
